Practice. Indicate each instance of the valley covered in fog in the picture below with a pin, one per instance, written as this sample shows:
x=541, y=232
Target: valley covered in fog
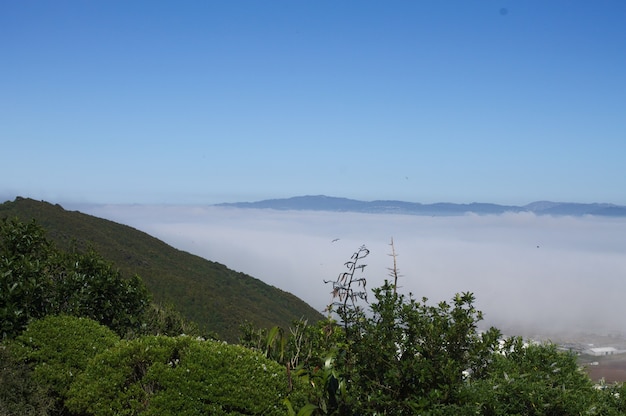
x=533, y=275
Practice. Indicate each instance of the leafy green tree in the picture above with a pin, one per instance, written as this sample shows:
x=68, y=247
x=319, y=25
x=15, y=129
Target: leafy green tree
x=37, y=279
x=26, y=273
x=402, y=356
x=535, y=379
x=158, y=375
x=405, y=356
x=87, y=285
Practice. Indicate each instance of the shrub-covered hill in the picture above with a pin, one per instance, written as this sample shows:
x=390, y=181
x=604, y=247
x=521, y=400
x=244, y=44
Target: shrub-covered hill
x=217, y=298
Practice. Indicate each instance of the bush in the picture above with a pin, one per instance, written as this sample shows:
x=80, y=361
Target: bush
x=165, y=320
x=157, y=375
x=20, y=394
x=58, y=349
x=407, y=357
x=535, y=379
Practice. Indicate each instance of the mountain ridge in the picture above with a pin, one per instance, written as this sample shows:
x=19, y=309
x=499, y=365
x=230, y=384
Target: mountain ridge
x=330, y=203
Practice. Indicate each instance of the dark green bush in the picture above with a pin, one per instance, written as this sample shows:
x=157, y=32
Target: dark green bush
x=409, y=357
x=536, y=379
x=20, y=394
x=158, y=375
x=58, y=349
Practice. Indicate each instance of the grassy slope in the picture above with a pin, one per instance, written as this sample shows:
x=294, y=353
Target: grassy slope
x=209, y=293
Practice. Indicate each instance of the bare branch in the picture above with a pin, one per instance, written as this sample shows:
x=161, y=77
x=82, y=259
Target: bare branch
x=343, y=287
x=394, y=272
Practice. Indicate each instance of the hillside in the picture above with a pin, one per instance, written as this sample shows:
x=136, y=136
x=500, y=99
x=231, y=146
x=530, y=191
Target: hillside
x=209, y=293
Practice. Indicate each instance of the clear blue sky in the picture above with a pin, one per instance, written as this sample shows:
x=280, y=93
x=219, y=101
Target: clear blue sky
x=150, y=101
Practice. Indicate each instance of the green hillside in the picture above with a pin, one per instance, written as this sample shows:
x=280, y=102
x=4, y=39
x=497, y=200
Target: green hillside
x=217, y=298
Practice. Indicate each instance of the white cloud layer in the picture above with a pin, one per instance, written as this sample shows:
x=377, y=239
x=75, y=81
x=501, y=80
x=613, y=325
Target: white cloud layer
x=530, y=274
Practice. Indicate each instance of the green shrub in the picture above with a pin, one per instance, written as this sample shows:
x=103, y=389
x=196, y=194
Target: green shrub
x=165, y=320
x=158, y=375
x=536, y=379
x=59, y=347
x=409, y=357
x=20, y=394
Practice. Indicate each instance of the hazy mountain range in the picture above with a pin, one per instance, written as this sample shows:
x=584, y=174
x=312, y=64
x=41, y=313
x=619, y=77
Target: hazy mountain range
x=328, y=203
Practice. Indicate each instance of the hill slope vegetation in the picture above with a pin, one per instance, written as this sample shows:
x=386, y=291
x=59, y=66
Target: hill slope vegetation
x=217, y=298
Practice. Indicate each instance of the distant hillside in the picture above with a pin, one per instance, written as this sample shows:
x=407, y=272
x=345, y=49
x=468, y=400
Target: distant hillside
x=327, y=203
x=209, y=293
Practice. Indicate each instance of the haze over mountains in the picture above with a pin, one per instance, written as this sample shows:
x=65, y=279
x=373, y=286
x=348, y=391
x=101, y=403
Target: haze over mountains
x=328, y=203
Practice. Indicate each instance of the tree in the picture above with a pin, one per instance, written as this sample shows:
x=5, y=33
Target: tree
x=536, y=379
x=407, y=356
x=87, y=285
x=403, y=356
x=37, y=279
x=26, y=269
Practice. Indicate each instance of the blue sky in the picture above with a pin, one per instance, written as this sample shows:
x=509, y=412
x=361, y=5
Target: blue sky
x=220, y=101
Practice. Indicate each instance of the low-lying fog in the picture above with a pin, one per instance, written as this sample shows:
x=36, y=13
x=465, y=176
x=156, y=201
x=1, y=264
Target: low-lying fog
x=530, y=274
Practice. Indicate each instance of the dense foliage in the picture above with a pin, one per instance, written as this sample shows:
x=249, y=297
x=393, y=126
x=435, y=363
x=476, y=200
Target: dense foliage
x=37, y=280
x=210, y=294
x=70, y=365
x=407, y=356
x=401, y=356
x=537, y=379
x=58, y=348
x=159, y=375
x=64, y=314
x=20, y=394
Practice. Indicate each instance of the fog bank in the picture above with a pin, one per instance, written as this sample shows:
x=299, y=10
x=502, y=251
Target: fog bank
x=531, y=274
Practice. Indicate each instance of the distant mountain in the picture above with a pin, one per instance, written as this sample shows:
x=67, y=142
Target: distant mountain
x=328, y=203
x=570, y=208
x=217, y=298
